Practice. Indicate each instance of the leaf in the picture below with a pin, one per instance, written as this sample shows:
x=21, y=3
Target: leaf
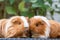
x=35, y=5
x=10, y=10
x=1, y=0
x=39, y=4
x=21, y=7
x=11, y=1
x=33, y=1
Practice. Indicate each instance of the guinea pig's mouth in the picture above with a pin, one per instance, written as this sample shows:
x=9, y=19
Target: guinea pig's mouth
x=33, y=34
x=26, y=32
x=26, y=29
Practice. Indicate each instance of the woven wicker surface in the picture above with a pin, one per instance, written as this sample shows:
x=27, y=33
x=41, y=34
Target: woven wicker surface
x=27, y=39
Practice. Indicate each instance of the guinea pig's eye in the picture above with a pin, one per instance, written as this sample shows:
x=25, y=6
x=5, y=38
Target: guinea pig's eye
x=16, y=22
x=37, y=24
x=19, y=23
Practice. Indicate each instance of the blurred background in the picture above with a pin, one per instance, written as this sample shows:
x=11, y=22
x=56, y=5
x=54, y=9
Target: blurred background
x=47, y=8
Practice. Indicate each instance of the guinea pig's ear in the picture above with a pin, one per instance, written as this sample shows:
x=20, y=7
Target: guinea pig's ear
x=14, y=20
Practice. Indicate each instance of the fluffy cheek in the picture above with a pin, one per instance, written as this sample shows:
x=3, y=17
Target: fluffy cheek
x=11, y=32
x=15, y=31
x=38, y=30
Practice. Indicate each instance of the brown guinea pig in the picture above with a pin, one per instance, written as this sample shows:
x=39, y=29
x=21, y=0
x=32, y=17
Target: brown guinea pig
x=42, y=27
x=13, y=27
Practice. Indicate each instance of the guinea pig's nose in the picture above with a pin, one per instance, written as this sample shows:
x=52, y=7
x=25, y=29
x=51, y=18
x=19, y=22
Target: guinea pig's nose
x=26, y=29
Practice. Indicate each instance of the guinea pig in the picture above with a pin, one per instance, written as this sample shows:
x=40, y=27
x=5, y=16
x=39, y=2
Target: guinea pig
x=54, y=29
x=41, y=27
x=13, y=27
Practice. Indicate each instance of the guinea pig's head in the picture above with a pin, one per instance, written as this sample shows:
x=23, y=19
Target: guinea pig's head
x=39, y=26
x=15, y=26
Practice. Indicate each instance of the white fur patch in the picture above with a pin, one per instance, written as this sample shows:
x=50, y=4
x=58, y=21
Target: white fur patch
x=8, y=24
x=42, y=36
x=47, y=30
x=26, y=24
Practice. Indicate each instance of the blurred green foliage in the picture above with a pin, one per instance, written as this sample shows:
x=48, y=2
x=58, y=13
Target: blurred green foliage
x=1, y=0
x=10, y=10
x=11, y=1
x=36, y=7
x=27, y=7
